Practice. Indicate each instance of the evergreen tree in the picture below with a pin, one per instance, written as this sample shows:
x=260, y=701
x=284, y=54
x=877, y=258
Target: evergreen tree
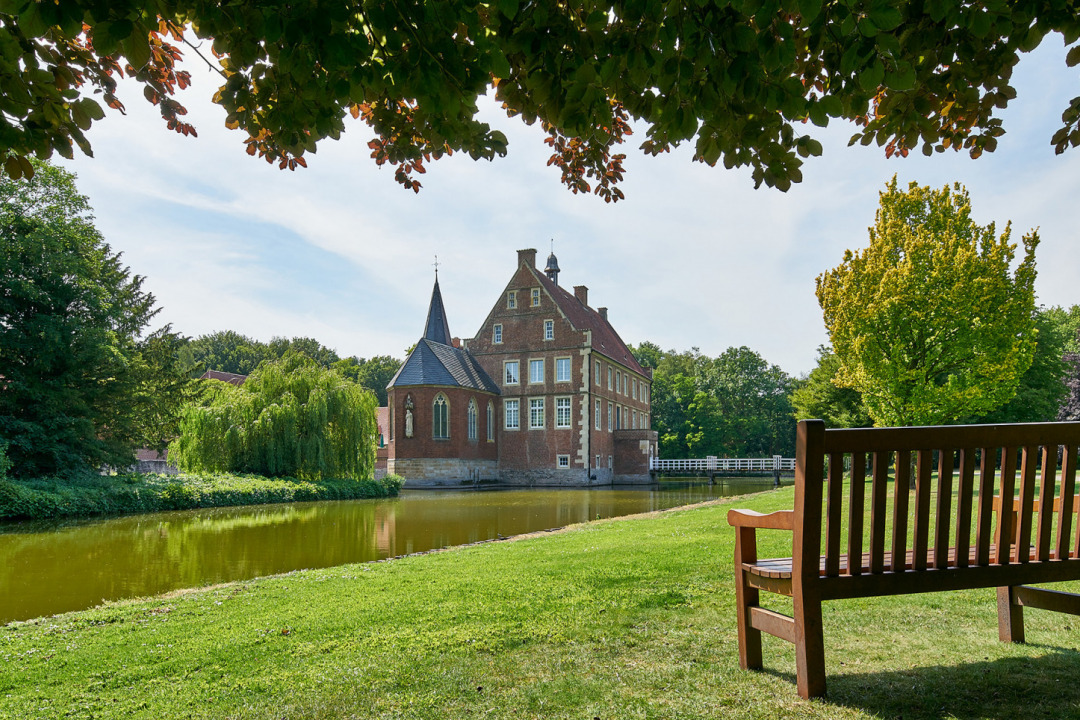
x=79, y=387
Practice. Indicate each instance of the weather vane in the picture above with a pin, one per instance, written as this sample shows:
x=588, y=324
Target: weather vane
x=436, y=264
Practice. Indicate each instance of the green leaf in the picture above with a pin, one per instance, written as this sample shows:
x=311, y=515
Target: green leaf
x=500, y=66
x=902, y=79
x=91, y=108
x=1073, y=58
x=509, y=8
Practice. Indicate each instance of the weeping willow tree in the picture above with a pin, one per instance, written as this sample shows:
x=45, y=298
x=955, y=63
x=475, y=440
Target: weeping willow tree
x=290, y=418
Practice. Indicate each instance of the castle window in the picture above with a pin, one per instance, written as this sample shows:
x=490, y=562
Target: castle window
x=597, y=372
x=609, y=377
x=562, y=461
x=610, y=416
x=618, y=381
x=549, y=329
x=511, y=299
x=491, y=422
x=562, y=369
x=496, y=334
x=633, y=416
x=597, y=462
x=511, y=374
x=618, y=417
x=536, y=371
x=536, y=297
x=633, y=388
x=609, y=462
x=536, y=413
x=562, y=412
x=440, y=420
x=472, y=419
x=624, y=385
x=510, y=413
x=596, y=422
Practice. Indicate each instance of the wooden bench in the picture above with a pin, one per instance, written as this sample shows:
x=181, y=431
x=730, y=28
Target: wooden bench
x=952, y=533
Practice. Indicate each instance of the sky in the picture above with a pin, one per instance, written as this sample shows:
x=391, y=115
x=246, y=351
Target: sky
x=694, y=257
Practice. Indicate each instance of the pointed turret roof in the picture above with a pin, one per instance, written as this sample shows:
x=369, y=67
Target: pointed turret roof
x=437, y=329
x=435, y=361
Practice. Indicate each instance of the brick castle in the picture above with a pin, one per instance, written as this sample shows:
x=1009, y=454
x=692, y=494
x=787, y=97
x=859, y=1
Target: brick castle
x=546, y=393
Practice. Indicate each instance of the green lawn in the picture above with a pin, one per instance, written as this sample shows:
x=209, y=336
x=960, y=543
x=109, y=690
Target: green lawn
x=630, y=618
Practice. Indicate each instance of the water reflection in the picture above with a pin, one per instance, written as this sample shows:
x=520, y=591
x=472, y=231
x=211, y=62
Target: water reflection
x=51, y=568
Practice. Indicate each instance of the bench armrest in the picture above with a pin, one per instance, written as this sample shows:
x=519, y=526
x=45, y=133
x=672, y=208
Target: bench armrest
x=779, y=520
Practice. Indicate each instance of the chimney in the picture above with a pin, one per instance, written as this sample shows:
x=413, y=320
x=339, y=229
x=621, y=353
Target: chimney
x=582, y=294
x=456, y=342
x=527, y=257
x=603, y=312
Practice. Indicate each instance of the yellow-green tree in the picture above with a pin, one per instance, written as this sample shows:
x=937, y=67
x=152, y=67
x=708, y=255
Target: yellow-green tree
x=929, y=323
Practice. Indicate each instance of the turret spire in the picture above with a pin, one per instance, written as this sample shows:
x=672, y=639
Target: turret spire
x=437, y=329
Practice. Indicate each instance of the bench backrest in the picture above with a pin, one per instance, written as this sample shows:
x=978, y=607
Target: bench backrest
x=1030, y=463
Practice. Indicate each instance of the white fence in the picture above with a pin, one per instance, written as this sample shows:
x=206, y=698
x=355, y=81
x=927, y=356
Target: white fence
x=717, y=464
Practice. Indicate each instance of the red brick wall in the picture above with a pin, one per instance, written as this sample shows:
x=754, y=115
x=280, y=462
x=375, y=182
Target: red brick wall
x=422, y=444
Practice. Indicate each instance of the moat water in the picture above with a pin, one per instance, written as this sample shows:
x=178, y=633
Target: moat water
x=49, y=568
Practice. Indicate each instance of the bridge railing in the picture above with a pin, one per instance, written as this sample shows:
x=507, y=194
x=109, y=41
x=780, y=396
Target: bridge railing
x=719, y=464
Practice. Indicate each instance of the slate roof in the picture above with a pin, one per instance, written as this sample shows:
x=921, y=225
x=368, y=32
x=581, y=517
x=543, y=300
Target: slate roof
x=432, y=363
x=604, y=338
x=231, y=378
x=437, y=328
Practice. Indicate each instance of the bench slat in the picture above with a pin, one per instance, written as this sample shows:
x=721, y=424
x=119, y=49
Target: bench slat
x=923, y=467
x=1028, y=463
x=1065, y=513
x=857, y=493
x=984, y=523
x=1003, y=538
x=1047, y=483
x=943, y=513
x=879, y=493
x=834, y=514
x=963, y=505
x=901, y=493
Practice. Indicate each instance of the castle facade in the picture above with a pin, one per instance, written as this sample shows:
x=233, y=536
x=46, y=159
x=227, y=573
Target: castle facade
x=546, y=393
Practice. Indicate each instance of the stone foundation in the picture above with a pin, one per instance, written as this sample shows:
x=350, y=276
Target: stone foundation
x=443, y=472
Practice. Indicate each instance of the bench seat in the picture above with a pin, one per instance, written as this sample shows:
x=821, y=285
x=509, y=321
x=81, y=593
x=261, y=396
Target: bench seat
x=953, y=532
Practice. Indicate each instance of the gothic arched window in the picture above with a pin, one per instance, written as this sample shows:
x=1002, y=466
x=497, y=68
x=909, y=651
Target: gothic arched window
x=440, y=418
x=491, y=422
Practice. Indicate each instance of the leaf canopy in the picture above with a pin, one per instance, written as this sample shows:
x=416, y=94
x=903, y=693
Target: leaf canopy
x=743, y=81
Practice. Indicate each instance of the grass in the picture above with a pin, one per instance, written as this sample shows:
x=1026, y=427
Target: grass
x=136, y=493
x=628, y=618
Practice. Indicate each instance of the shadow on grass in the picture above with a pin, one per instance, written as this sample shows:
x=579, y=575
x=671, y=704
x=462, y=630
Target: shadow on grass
x=1013, y=687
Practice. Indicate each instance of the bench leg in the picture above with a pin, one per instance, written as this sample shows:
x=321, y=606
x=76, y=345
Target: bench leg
x=809, y=648
x=1010, y=617
x=746, y=597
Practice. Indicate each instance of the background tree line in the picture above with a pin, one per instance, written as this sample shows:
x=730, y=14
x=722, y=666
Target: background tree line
x=229, y=351
x=733, y=405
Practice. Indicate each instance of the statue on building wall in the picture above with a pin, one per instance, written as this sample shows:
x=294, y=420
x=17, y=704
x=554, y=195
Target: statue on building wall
x=408, y=416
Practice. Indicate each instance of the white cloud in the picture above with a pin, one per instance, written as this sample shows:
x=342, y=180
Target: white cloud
x=693, y=257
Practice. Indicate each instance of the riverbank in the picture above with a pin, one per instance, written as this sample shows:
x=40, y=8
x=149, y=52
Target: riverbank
x=628, y=618
x=137, y=493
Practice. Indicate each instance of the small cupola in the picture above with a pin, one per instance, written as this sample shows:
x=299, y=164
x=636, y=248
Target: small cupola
x=552, y=269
